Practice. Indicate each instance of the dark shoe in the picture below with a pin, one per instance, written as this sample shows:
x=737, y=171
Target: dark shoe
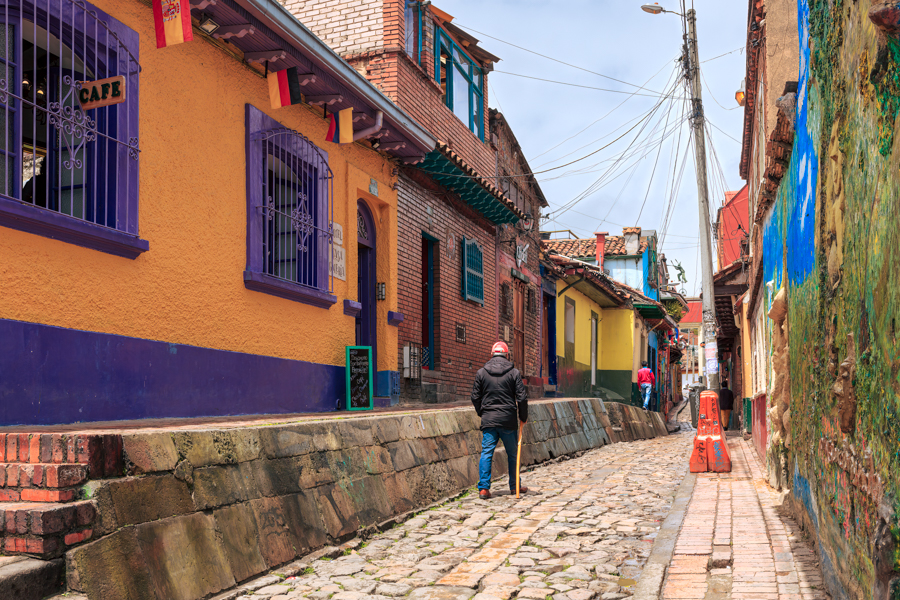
x=522, y=490
x=484, y=494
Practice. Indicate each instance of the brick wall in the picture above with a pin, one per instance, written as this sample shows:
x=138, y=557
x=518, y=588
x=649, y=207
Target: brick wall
x=348, y=26
x=449, y=220
x=369, y=34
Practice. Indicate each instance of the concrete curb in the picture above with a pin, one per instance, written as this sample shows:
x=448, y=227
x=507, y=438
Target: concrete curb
x=650, y=583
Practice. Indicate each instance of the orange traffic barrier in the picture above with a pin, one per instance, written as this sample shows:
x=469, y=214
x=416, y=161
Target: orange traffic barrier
x=710, y=450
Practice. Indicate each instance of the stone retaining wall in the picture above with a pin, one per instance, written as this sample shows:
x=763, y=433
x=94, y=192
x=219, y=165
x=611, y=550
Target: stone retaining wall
x=208, y=509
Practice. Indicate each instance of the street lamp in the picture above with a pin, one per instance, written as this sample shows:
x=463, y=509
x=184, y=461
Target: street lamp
x=692, y=70
x=655, y=9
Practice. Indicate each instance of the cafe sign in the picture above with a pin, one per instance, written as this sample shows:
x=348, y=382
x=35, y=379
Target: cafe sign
x=103, y=92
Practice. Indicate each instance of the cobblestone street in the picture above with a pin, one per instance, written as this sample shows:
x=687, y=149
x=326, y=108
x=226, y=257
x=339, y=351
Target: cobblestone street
x=585, y=531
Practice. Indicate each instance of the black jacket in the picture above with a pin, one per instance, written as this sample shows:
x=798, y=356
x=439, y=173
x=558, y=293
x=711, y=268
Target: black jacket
x=499, y=395
x=726, y=399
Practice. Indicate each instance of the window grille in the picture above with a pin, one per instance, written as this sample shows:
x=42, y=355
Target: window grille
x=290, y=230
x=531, y=300
x=54, y=155
x=473, y=271
x=461, y=333
x=505, y=300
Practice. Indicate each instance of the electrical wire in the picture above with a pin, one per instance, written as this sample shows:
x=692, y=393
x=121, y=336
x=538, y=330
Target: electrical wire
x=587, y=87
x=640, y=87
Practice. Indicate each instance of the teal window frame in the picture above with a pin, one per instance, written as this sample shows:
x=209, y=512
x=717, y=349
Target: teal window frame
x=443, y=42
x=472, y=271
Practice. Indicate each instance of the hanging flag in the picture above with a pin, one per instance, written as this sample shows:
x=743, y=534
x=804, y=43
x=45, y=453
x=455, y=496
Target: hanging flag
x=284, y=87
x=173, y=22
x=340, y=131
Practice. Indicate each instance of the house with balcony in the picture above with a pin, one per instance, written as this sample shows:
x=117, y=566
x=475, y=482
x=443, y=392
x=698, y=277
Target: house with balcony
x=454, y=206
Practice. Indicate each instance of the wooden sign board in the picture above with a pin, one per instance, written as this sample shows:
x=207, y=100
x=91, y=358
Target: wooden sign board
x=360, y=391
x=103, y=92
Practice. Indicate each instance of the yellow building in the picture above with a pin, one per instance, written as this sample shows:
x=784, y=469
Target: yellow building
x=190, y=250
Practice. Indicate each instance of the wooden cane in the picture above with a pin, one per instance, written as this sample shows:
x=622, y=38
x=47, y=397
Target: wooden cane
x=519, y=460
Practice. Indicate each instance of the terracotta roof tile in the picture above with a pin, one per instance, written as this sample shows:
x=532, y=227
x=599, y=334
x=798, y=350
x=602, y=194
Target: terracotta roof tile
x=615, y=246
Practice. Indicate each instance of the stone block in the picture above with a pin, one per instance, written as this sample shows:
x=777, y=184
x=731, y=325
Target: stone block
x=452, y=446
x=277, y=543
x=378, y=460
x=403, y=455
x=184, y=557
x=347, y=465
x=240, y=540
x=111, y=567
x=150, y=452
x=338, y=511
x=386, y=429
x=223, y=447
x=398, y=492
x=314, y=470
x=356, y=432
x=31, y=579
x=370, y=500
x=220, y=486
x=141, y=499
x=275, y=477
x=305, y=522
x=285, y=441
x=462, y=471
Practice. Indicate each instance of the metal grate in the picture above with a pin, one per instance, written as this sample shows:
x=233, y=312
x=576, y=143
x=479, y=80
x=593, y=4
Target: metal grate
x=461, y=333
x=298, y=233
x=505, y=300
x=473, y=271
x=53, y=154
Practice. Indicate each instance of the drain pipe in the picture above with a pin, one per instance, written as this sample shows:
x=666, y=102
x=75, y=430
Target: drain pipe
x=379, y=118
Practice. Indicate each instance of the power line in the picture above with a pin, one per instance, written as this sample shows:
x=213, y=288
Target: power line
x=587, y=87
x=741, y=49
x=551, y=58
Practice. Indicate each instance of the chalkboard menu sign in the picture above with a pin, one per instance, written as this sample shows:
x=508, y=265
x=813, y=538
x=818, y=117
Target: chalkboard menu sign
x=359, y=378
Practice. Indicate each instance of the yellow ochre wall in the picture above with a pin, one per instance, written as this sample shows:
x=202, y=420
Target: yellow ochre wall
x=617, y=349
x=583, y=308
x=188, y=288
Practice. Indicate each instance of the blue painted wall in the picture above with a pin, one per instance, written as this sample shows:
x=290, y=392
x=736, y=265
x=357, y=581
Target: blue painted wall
x=51, y=375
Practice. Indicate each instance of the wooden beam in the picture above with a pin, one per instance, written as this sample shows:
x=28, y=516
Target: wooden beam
x=328, y=99
x=729, y=290
x=226, y=32
x=265, y=55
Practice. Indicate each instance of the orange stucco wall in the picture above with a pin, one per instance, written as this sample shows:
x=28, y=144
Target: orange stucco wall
x=188, y=288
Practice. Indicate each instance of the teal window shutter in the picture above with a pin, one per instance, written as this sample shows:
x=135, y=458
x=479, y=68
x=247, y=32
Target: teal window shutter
x=473, y=271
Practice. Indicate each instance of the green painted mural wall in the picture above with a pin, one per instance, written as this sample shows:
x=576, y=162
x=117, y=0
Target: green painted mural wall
x=833, y=240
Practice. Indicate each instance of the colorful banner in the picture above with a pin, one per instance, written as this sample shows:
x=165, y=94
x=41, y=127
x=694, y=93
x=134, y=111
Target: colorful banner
x=172, y=19
x=284, y=87
x=341, y=129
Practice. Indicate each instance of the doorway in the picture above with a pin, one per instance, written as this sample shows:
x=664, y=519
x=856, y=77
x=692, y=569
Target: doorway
x=366, y=333
x=594, y=320
x=428, y=349
x=519, y=326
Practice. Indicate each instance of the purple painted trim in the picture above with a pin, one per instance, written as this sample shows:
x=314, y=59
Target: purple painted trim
x=395, y=318
x=53, y=375
x=352, y=308
x=260, y=282
x=32, y=219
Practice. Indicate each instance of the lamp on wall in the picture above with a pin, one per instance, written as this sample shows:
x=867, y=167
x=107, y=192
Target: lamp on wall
x=741, y=95
x=207, y=24
x=380, y=291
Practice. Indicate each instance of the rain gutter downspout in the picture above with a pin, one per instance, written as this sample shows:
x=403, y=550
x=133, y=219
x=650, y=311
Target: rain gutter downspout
x=287, y=26
x=359, y=135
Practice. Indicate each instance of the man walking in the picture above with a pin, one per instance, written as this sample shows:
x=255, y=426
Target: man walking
x=646, y=381
x=726, y=403
x=501, y=401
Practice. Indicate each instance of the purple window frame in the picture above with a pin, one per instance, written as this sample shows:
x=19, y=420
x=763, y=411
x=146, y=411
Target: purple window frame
x=16, y=214
x=255, y=277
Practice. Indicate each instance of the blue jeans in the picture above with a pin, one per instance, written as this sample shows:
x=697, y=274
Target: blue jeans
x=490, y=437
x=646, y=388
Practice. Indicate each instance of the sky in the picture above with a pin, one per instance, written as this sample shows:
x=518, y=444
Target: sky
x=634, y=169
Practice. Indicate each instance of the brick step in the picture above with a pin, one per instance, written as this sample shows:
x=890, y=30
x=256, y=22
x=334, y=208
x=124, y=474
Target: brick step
x=41, y=475
x=101, y=453
x=45, y=530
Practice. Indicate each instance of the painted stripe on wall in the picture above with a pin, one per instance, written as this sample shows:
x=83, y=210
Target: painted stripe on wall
x=51, y=375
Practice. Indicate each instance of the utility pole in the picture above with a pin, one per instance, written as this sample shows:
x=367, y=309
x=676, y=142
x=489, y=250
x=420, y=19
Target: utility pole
x=698, y=122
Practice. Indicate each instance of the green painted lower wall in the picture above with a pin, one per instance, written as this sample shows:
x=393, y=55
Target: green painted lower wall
x=618, y=382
